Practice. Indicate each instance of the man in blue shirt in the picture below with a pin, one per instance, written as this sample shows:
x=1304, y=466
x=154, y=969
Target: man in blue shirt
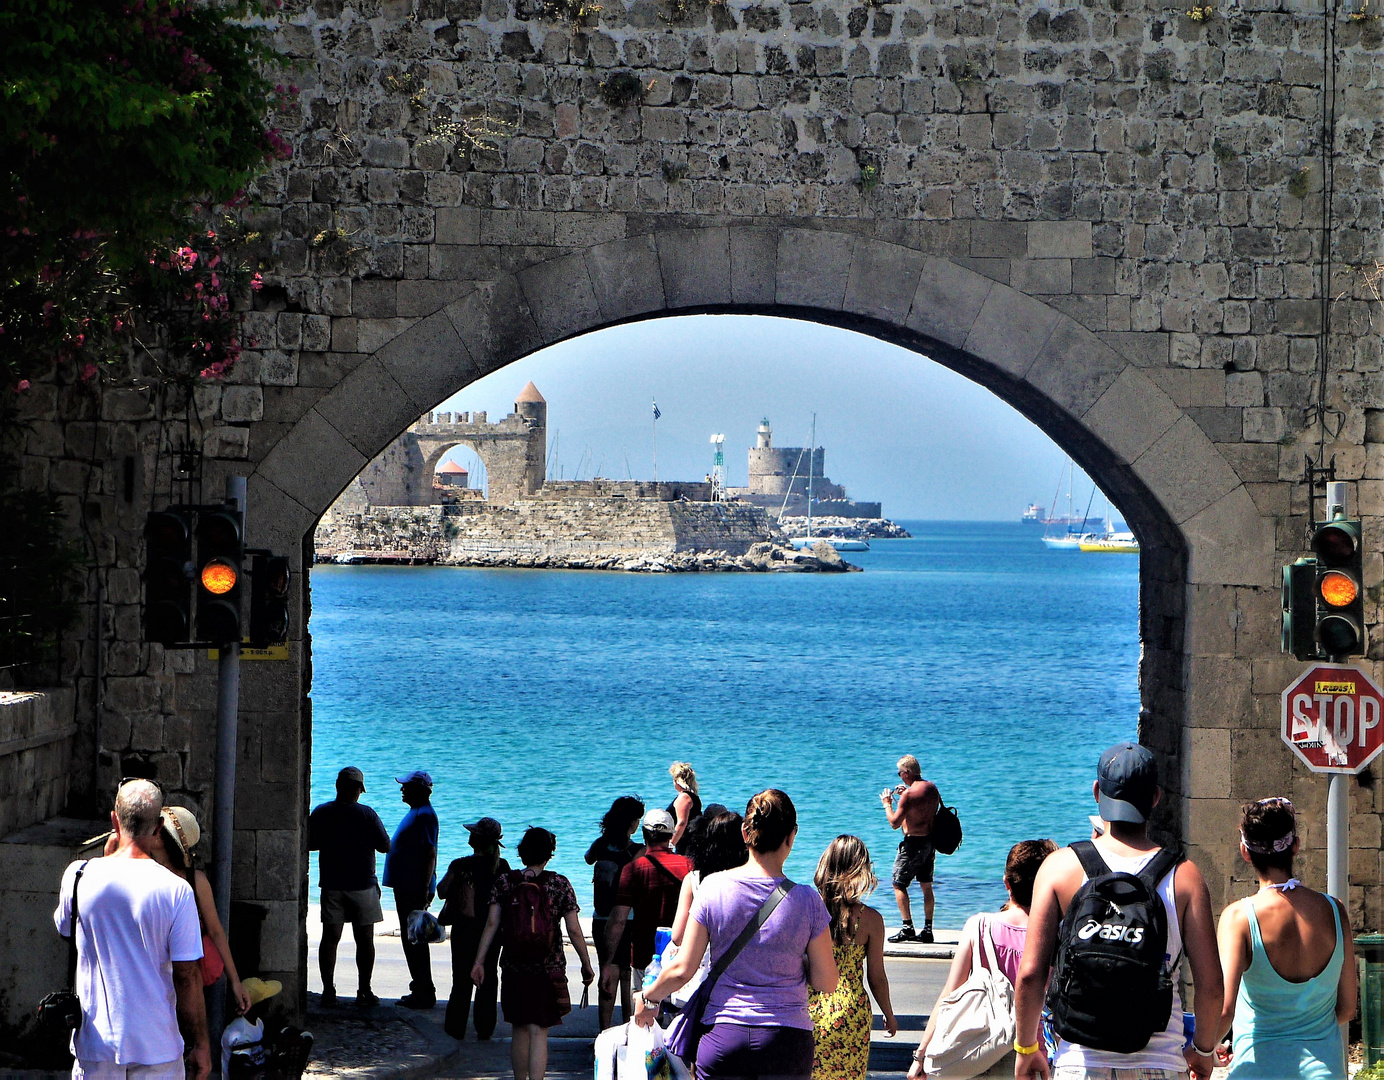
x=348, y=833
x=410, y=869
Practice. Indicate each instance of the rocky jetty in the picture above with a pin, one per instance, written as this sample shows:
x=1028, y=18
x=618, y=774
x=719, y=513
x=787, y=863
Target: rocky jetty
x=856, y=528
x=763, y=557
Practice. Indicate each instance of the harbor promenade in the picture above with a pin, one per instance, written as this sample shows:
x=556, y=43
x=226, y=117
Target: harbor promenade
x=389, y=1043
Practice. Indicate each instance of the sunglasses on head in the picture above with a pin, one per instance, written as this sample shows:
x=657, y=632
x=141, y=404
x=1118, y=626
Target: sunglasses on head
x=144, y=779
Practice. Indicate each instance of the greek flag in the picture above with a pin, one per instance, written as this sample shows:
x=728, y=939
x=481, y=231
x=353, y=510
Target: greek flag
x=657, y=414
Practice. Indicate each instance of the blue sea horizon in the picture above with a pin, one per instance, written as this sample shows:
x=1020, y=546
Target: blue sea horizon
x=536, y=697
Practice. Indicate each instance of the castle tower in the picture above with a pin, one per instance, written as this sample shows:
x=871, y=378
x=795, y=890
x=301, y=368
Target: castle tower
x=531, y=407
x=766, y=435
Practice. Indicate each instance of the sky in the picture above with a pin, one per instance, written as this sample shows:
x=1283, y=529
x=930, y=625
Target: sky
x=897, y=428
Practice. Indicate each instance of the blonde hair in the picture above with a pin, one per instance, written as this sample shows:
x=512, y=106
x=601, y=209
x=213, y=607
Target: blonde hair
x=910, y=764
x=684, y=776
x=845, y=876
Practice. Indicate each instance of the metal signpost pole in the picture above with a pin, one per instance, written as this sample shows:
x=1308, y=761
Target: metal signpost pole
x=1337, y=791
x=223, y=810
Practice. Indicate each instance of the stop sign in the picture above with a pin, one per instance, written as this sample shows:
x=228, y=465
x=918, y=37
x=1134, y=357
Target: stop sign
x=1331, y=718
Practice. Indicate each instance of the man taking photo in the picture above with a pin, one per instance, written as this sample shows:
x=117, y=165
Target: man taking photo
x=917, y=809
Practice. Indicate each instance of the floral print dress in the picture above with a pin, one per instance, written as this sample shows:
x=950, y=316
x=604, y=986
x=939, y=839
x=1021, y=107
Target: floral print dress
x=841, y=1020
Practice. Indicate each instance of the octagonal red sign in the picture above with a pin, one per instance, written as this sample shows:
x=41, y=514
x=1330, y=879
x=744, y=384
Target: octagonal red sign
x=1331, y=718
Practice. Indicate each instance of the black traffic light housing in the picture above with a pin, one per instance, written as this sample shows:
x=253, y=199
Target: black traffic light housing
x=168, y=573
x=269, y=580
x=1338, y=590
x=1300, y=609
x=220, y=558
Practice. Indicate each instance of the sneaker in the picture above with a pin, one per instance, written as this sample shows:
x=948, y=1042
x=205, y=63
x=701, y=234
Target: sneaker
x=415, y=1001
x=925, y=935
x=906, y=934
x=366, y=1000
x=329, y=998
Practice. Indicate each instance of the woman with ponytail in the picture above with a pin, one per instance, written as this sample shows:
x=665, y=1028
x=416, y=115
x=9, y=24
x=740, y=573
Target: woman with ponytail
x=756, y=1022
x=841, y=1019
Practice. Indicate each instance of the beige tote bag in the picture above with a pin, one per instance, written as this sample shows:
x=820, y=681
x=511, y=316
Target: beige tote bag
x=975, y=1022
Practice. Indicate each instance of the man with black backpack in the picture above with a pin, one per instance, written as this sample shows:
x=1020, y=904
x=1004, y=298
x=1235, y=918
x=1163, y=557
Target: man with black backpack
x=648, y=895
x=1112, y=919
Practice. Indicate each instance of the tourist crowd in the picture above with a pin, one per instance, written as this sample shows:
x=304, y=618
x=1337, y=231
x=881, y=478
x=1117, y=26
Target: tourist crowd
x=1077, y=976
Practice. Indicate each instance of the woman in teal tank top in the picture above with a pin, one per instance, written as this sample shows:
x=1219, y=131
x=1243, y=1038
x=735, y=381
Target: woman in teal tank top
x=1286, y=1010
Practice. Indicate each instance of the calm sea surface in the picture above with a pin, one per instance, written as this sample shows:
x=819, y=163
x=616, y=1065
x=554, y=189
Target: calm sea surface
x=538, y=696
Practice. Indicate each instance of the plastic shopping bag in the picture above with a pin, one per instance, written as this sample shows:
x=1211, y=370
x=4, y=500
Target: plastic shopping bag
x=645, y=1056
x=683, y=994
x=608, y=1044
x=424, y=927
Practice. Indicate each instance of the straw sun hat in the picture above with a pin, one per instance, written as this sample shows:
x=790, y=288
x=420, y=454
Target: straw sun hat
x=181, y=822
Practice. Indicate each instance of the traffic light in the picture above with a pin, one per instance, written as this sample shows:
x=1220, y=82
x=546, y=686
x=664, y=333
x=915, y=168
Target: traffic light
x=220, y=553
x=269, y=576
x=1300, y=609
x=168, y=575
x=1339, y=595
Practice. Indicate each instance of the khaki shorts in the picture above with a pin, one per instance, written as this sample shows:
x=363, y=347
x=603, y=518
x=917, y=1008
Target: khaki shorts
x=109, y=1070
x=356, y=906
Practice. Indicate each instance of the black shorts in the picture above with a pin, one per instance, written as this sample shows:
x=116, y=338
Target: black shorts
x=914, y=861
x=598, y=936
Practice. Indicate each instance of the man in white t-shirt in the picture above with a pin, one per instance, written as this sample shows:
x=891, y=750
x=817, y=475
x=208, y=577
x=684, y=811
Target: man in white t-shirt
x=138, y=943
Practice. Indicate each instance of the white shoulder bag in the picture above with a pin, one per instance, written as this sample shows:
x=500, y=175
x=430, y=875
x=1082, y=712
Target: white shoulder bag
x=975, y=1022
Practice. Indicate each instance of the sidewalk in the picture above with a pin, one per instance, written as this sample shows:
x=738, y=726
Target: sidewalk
x=388, y=1042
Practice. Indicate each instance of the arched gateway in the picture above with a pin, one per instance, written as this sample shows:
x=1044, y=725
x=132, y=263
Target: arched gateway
x=1109, y=214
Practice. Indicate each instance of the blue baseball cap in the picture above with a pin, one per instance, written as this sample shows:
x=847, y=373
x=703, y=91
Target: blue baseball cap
x=1128, y=777
x=418, y=776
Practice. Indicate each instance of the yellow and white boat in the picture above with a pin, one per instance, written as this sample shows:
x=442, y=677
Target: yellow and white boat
x=1122, y=542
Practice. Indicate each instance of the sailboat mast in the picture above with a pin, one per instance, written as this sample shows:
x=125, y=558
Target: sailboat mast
x=811, y=453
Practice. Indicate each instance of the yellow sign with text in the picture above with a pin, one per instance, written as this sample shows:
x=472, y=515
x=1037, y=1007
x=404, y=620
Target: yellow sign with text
x=248, y=652
x=1335, y=687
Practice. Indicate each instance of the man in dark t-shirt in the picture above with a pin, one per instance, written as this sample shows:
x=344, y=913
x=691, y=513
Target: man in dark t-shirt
x=348, y=833
x=648, y=894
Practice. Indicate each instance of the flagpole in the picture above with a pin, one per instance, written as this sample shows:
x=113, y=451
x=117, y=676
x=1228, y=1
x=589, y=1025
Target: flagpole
x=655, y=430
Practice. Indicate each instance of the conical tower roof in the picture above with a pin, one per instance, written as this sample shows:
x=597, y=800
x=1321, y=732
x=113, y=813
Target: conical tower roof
x=530, y=394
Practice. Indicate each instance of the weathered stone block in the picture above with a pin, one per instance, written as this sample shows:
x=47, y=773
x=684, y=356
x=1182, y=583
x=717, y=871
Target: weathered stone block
x=694, y=266
x=1058, y=240
x=312, y=463
x=813, y=268
x=457, y=225
x=626, y=277
x=429, y=362
x=753, y=264
x=948, y=300
x=1041, y=276
x=1075, y=368
x=242, y=404
x=495, y=324
x=1132, y=415
x=883, y=280
x=368, y=406
x=1010, y=330
x=999, y=239
x=560, y=296
x=1249, y=560
x=1184, y=468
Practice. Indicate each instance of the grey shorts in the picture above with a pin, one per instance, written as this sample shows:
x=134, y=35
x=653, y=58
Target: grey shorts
x=355, y=906
x=914, y=861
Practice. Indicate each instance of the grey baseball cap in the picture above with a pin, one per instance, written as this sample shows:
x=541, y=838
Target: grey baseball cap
x=1128, y=776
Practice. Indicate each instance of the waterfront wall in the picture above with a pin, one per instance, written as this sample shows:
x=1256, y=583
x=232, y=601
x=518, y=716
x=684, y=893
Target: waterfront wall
x=547, y=528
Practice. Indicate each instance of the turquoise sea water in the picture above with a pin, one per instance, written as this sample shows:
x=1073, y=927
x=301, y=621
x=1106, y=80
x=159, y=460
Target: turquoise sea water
x=536, y=696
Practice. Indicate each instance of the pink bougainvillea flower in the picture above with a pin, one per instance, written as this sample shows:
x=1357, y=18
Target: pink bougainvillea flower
x=21, y=386
x=88, y=371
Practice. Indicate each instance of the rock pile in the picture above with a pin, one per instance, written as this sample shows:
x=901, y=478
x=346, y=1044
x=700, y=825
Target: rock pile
x=763, y=557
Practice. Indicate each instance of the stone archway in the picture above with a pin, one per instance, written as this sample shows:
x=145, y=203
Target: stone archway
x=1096, y=395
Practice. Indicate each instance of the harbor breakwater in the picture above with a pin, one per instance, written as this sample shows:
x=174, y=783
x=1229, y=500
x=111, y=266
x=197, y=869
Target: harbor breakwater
x=580, y=533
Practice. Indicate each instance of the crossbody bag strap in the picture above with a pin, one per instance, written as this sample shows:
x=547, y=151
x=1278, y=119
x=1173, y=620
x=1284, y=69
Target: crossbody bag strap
x=666, y=872
x=72, y=941
x=752, y=927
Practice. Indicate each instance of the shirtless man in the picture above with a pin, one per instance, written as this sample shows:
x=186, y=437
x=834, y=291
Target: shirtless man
x=918, y=803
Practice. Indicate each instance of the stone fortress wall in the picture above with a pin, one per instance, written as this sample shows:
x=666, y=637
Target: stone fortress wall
x=782, y=477
x=1111, y=214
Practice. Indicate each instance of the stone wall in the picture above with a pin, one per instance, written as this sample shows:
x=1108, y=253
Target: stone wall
x=36, y=732
x=1109, y=214
x=548, y=528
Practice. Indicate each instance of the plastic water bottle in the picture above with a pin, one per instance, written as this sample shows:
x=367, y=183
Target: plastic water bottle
x=652, y=972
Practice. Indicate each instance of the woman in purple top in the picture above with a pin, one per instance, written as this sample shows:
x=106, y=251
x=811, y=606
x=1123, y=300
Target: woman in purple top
x=757, y=1021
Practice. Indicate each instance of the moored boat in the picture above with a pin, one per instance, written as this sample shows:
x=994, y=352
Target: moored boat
x=1118, y=543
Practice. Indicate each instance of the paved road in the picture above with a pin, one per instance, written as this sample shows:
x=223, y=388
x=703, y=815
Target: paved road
x=914, y=985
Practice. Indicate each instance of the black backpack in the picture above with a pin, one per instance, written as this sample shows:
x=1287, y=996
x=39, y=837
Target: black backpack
x=1111, y=989
x=946, y=830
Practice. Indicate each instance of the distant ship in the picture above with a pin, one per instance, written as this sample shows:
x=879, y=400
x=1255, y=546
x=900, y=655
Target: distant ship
x=1033, y=515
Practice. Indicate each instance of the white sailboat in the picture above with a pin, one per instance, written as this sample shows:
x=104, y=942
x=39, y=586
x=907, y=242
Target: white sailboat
x=1110, y=542
x=802, y=543
x=1070, y=540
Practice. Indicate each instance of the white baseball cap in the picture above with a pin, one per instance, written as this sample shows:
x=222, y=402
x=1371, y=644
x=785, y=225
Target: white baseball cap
x=659, y=821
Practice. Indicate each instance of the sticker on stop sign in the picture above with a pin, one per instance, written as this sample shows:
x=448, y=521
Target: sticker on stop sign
x=1331, y=718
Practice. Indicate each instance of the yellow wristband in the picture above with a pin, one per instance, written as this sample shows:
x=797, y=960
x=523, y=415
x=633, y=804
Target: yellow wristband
x=1020, y=1049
